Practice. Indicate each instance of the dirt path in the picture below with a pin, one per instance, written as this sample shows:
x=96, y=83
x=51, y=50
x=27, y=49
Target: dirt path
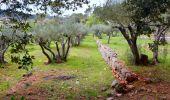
x=27, y=86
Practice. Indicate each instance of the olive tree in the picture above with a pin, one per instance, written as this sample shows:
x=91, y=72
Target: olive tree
x=6, y=39
x=18, y=12
x=155, y=11
x=80, y=32
x=61, y=35
x=108, y=30
x=42, y=34
x=13, y=38
x=132, y=18
x=98, y=29
x=77, y=27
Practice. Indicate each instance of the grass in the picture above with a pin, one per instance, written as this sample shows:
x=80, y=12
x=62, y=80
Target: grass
x=9, y=76
x=161, y=71
x=84, y=62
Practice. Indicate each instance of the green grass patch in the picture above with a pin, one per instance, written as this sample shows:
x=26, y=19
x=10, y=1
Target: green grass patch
x=84, y=62
x=120, y=46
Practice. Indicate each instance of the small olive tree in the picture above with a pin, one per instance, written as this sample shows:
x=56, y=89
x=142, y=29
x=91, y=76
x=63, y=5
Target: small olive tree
x=108, y=30
x=8, y=37
x=62, y=35
x=80, y=32
x=17, y=40
x=98, y=29
x=5, y=41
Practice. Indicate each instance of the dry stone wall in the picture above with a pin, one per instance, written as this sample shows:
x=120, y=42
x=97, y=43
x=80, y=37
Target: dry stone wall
x=119, y=69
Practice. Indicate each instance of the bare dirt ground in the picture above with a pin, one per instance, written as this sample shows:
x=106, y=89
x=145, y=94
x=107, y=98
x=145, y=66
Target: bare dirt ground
x=152, y=91
x=155, y=90
x=27, y=88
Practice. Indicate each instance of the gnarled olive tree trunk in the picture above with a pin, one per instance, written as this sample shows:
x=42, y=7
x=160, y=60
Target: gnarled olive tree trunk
x=66, y=49
x=132, y=42
x=45, y=53
x=61, y=54
x=109, y=36
x=155, y=47
x=78, y=38
x=75, y=41
x=3, y=47
x=2, y=59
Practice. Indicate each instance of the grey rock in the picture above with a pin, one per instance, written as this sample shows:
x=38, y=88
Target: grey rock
x=163, y=98
x=114, y=83
x=110, y=98
x=118, y=94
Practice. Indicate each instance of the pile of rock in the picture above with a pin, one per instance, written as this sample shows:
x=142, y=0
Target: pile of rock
x=120, y=71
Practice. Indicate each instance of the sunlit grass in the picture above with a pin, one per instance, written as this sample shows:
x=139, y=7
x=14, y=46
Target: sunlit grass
x=119, y=45
x=84, y=62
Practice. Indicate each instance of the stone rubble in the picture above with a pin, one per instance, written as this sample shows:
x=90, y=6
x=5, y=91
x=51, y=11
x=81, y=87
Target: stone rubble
x=119, y=69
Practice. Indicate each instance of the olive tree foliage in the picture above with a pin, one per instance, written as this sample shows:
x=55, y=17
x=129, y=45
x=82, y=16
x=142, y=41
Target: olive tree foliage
x=10, y=37
x=80, y=32
x=55, y=5
x=62, y=35
x=98, y=29
x=159, y=33
x=18, y=11
x=19, y=26
x=79, y=29
x=133, y=18
x=6, y=39
x=155, y=11
x=109, y=31
x=42, y=33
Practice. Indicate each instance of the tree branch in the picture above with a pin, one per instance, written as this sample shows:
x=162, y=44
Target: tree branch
x=58, y=50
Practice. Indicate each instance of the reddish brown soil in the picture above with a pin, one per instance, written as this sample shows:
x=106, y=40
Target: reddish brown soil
x=152, y=91
x=27, y=87
x=158, y=90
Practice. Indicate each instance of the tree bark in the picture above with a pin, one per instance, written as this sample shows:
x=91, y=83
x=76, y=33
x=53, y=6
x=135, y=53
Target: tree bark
x=46, y=54
x=135, y=52
x=133, y=46
x=78, y=40
x=157, y=36
x=58, y=50
x=63, y=48
x=3, y=48
x=2, y=58
x=132, y=43
x=155, y=60
x=73, y=41
x=48, y=44
x=109, y=39
x=53, y=54
x=68, y=48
